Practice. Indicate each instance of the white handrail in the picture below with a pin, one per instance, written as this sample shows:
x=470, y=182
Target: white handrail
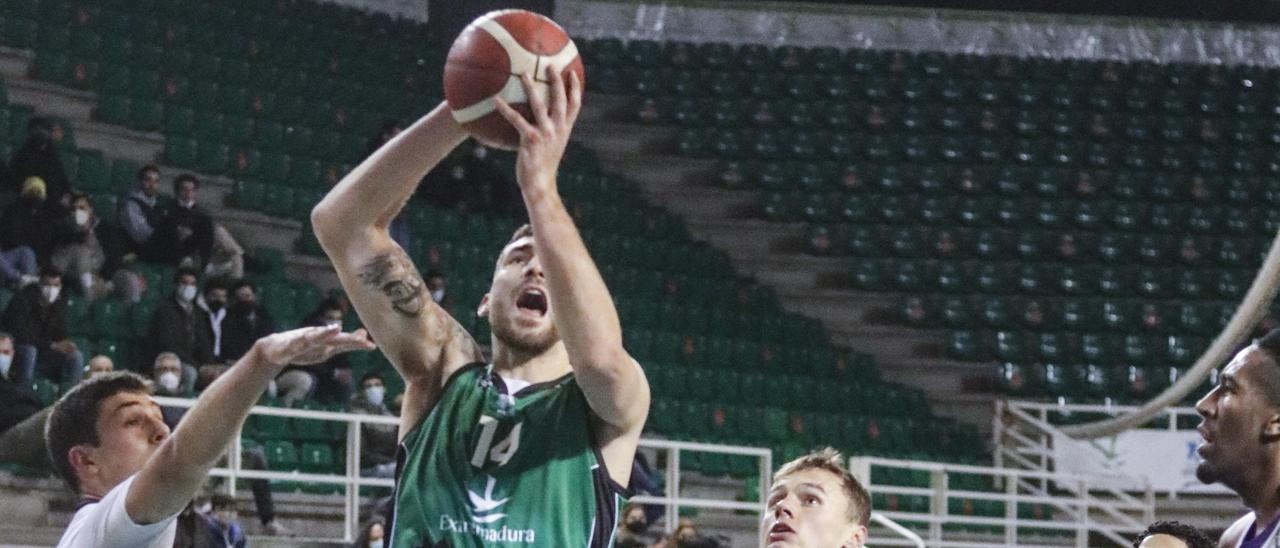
x=897, y=528
x=1086, y=503
x=352, y=480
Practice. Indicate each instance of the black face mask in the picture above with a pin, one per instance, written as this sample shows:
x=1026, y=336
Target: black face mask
x=241, y=307
x=636, y=527
x=216, y=305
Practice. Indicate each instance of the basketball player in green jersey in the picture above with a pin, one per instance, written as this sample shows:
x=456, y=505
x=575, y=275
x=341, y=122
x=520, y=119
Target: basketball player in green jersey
x=535, y=448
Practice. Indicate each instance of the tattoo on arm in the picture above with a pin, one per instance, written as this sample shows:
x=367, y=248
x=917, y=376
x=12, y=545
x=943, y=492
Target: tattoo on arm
x=394, y=275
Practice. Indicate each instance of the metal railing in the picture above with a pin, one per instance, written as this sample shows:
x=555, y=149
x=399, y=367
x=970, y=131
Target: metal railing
x=1076, y=505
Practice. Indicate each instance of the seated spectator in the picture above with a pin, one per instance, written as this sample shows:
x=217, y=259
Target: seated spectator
x=140, y=213
x=372, y=535
x=633, y=529
x=29, y=220
x=214, y=305
x=89, y=251
x=98, y=365
x=246, y=321
x=378, y=442
x=439, y=288
x=37, y=318
x=227, y=260
x=178, y=326
x=224, y=522
x=18, y=267
x=330, y=381
x=166, y=379
x=17, y=401
x=185, y=233
x=39, y=158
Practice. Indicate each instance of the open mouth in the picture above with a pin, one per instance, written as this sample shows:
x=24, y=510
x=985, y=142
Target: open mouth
x=532, y=299
x=779, y=531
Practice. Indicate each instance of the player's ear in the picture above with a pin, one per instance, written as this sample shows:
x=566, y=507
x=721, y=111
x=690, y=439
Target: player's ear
x=857, y=538
x=483, y=309
x=80, y=459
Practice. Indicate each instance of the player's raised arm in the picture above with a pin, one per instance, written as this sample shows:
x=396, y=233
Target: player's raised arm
x=585, y=316
x=181, y=464
x=419, y=338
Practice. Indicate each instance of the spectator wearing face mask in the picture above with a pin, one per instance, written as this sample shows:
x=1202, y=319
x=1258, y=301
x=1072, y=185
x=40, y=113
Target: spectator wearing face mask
x=378, y=441
x=37, y=318
x=439, y=288
x=180, y=327
x=328, y=382
x=17, y=402
x=214, y=305
x=90, y=251
x=633, y=529
x=246, y=322
x=372, y=535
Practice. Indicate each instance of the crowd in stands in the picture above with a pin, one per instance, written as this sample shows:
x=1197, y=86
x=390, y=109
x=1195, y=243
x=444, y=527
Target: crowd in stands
x=54, y=246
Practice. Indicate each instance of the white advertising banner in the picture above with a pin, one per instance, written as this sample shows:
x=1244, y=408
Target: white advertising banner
x=1167, y=459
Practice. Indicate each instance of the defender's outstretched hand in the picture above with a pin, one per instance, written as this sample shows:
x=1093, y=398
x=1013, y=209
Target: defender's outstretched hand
x=542, y=143
x=310, y=345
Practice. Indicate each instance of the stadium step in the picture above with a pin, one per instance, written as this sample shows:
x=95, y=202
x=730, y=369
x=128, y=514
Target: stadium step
x=730, y=219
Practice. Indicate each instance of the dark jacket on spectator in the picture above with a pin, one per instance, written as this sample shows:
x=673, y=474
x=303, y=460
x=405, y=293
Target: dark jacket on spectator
x=32, y=321
x=378, y=442
x=243, y=326
x=30, y=223
x=16, y=404
x=38, y=157
x=183, y=232
x=183, y=330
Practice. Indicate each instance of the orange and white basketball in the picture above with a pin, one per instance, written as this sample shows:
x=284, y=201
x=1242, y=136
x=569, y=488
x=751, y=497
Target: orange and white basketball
x=486, y=61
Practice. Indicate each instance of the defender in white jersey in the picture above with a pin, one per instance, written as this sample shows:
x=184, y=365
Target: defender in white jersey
x=1241, y=449
x=108, y=441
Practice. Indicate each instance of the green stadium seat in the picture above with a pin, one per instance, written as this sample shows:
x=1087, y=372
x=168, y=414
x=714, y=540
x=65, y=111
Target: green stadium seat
x=281, y=455
x=182, y=152
x=146, y=115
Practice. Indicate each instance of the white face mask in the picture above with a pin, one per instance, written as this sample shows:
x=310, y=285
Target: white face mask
x=168, y=381
x=375, y=543
x=437, y=295
x=187, y=293
x=82, y=217
x=6, y=360
x=333, y=323
x=374, y=394
x=50, y=292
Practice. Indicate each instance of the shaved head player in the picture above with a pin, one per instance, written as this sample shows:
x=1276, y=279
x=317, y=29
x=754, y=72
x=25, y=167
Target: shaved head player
x=535, y=448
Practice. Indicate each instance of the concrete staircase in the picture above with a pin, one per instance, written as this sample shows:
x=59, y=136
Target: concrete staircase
x=774, y=254
x=251, y=229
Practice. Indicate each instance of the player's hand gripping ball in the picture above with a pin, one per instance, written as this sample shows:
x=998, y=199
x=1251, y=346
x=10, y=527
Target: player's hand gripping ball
x=487, y=60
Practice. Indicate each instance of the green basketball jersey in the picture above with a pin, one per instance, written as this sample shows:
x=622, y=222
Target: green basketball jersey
x=487, y=468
